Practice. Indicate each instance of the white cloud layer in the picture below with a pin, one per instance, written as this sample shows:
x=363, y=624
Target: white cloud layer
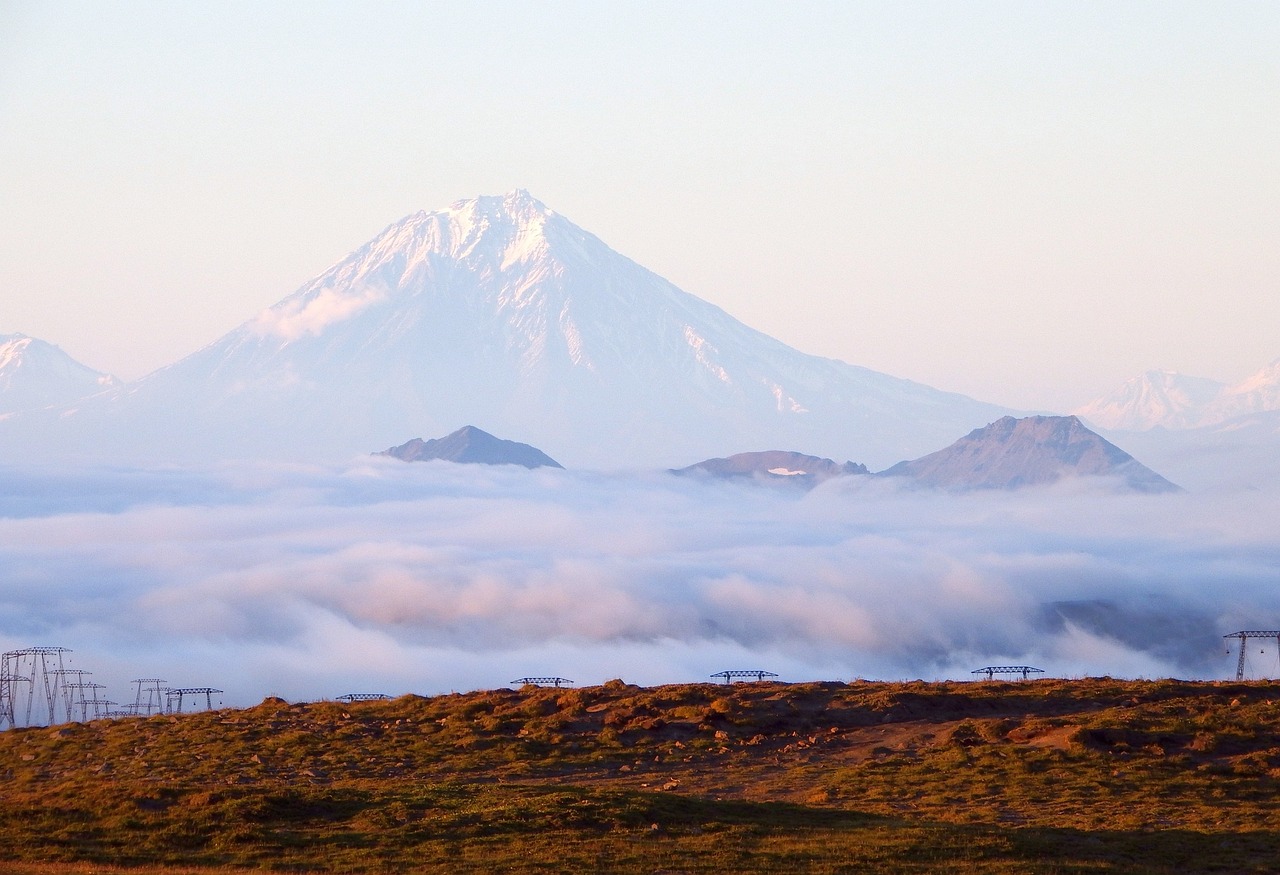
x=392, y=577
x=312, y=314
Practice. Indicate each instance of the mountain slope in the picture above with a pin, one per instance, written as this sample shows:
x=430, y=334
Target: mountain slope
x=36, y=374
x=1037, y=450
x=474, y=446
x=499, y=310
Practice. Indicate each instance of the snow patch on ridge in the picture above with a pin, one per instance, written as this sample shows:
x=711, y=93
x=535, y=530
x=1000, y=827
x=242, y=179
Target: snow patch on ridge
x=785, y=403
x=702, y=351
x=530, y=244
x=574, y=343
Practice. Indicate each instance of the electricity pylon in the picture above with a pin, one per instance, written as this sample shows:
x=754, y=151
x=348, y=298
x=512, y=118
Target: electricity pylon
x=1243, y=636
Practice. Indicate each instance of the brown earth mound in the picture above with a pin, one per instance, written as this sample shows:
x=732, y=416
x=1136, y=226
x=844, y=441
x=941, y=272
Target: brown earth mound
x=1039, y=776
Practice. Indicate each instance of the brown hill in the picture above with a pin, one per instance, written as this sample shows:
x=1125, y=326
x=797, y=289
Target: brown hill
x=1035, y=450
x=773, y=466
x=1040, y=776
x=474, y=446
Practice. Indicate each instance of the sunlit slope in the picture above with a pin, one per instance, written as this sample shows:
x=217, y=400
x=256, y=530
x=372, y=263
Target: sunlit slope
x=1041, y=776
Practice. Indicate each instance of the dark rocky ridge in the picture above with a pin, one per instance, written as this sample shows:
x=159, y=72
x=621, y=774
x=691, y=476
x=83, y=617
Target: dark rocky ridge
x=472, y=445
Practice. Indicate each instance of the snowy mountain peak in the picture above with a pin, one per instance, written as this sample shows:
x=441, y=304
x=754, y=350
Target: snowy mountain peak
x=12, y=347
x=489, y=224
x=1176, y=401
x=483, y=232
x=1264, y=385
x=487, y=238
x=35, y=374
x=516, y=206
x=1164, y=398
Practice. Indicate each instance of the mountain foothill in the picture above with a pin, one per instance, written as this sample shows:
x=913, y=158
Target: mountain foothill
x=1007, y=454
x=498, y=310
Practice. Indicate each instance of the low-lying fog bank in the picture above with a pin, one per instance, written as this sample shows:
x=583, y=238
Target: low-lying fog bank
x=387, y=577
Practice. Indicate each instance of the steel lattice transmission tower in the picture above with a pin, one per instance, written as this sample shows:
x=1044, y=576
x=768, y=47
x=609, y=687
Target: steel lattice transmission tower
x=101, y=707
x=43, y=667
x=155, y=701
x=1244, y=636
x=68, y=679
x=84, y=701
x=177, y=695
x=9, y=676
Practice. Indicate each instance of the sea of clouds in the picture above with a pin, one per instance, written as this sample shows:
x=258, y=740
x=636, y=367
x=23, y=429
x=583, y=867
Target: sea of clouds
x=382, y=576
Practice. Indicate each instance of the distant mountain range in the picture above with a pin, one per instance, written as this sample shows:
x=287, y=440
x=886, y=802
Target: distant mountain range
x=496, y=310
x=1175, y=401
x=1205, y=433
x=499, y=310
x=472, y=445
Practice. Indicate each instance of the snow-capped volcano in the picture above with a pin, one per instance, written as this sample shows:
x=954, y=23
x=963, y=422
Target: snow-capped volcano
x=35, y=374
x=501, y=312
x=1176, y=401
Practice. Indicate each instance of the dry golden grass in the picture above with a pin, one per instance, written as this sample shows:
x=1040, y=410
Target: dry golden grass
x=1042, y=776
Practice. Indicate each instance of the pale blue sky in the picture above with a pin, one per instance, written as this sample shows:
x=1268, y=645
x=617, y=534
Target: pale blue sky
x=1025, y=202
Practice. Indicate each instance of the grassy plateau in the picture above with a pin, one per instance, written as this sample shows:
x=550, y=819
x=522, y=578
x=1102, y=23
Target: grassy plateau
x=1047, y=776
